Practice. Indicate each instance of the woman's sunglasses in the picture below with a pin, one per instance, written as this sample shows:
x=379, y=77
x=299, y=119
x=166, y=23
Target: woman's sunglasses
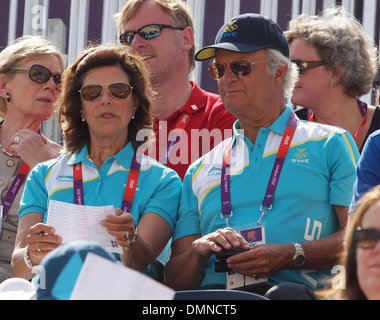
x=41, y=75
x=147, y=32
x=306, y=65
x=240, y=68
x=366, y=238
x=93, y=92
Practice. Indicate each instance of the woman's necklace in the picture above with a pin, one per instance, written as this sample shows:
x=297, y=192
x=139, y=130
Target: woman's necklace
x=2, y=148
x=5, y=151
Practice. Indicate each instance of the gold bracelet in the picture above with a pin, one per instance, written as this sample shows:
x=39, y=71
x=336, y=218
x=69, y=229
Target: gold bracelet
x=133, y=240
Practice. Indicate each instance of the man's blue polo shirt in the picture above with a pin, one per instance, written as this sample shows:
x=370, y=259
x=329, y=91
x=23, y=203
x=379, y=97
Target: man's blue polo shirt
x=158, y=189
x=318, y=173
x=368, y=170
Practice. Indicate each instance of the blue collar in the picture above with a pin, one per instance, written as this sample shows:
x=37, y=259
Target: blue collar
x=124, y=157
x=278, y=126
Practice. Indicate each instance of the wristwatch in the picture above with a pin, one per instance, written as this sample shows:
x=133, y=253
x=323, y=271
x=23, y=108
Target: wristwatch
x=299, y=257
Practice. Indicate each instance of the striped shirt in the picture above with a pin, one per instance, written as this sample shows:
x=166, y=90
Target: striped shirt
x=158, y=187
x=318, y=173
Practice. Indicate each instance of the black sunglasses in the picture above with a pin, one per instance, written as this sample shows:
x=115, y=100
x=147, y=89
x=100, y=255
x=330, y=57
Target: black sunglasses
x=366, y=238
x=240, y=68
x=41, y=74
x=93, y=92
x=306, y=65
x=147, y=32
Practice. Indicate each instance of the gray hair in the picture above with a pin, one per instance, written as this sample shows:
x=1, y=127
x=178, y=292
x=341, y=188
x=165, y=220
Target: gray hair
x=340, y=40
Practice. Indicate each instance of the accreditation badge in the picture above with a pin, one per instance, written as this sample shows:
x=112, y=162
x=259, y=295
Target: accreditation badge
x=1, y=219
x=253, y=236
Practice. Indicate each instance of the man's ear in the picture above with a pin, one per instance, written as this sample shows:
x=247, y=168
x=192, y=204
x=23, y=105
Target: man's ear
x=280, y=74
x=188, y=38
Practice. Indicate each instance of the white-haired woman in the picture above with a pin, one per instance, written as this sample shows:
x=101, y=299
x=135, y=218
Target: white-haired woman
x=30, y=75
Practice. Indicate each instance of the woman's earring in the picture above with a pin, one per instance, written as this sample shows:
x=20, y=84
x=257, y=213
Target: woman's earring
x=133, y=117
x=8, y=97
x=83, y=119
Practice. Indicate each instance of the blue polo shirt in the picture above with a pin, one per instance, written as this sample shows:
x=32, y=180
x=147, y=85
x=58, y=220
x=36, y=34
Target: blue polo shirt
x=158, y=188
x=368, y=173
x=318, y=173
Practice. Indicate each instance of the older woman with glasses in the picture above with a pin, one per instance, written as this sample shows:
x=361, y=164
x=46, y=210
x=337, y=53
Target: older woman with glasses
x=337, y=62
x=102, y=108
x=30, y=75
x=360, y=261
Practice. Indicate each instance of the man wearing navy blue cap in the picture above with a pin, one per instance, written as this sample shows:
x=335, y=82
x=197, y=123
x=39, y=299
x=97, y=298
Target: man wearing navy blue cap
x=277, y=192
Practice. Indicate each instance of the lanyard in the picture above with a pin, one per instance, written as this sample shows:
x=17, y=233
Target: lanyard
x=130, y=189
x=225, y=185
x=274, y=177
x=174, y=138
x=14, y=189
x=78, y=184
x=363, y=108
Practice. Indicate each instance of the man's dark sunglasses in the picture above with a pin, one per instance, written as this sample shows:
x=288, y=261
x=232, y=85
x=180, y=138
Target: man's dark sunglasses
x=147, y=32
x=306, y=65
x=365, y=238
x=240, y=68
x=40, y=74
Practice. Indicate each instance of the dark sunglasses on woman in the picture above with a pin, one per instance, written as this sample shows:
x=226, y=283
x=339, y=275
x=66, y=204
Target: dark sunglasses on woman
x=147, y=32
x=366, y=238
x=306, y=65
x=40, y=74
x=93, y=92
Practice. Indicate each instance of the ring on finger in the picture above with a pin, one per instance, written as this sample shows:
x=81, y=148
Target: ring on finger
x=17, y=139
x=38, y=247
x=126, y=236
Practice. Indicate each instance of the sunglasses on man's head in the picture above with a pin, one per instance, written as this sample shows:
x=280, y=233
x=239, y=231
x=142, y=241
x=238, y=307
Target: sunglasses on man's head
x=147, y=32
x=306, y=65
x=40, y=74
x=366, y=238
x=93, y=92
x=240, y=68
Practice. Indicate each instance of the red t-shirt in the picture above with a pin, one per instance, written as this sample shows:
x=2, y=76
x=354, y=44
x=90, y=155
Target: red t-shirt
x=207, y=124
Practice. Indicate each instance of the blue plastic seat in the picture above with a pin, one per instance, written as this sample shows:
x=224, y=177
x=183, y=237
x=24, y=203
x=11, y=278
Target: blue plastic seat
x=217, y=295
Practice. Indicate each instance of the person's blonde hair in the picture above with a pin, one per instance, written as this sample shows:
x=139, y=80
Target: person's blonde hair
x=178, y=11
x=340, y=40
x=25, y=48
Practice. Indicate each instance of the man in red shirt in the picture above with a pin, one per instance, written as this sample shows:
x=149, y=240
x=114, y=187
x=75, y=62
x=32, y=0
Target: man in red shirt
x=162, y=33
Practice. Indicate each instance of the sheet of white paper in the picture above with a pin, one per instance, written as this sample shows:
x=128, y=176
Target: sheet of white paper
x=17, y=295
x=76, y=222
x=102, y=279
